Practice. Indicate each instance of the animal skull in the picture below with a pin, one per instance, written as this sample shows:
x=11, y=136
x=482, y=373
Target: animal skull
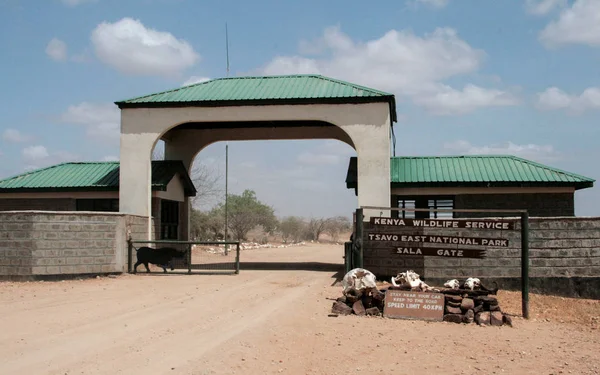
x=452, y=284
x=411, y=279
x=472, y=283
x=358, y=279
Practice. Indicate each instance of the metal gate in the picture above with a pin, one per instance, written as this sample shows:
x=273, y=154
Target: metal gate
x=185, y=256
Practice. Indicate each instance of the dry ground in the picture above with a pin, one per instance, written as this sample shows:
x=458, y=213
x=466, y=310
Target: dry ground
x=270, y=322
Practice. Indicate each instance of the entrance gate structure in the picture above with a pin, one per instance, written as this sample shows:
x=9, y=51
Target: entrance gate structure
x=190, y=118
x=442, y=249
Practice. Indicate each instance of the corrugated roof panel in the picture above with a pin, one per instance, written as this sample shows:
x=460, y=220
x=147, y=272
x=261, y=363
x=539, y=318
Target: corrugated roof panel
x=261, y=88
x=475, y=169
x=92, y=176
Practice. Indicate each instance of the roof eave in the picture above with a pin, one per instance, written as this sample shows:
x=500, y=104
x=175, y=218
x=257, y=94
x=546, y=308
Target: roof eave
x=71, y=189
x=257, y=102
x=575, y=185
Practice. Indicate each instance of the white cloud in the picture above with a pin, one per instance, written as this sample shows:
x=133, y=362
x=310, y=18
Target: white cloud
x=579, y=24
x=38, y=157
x=73, y=3
x=400, y=62
x=448, y=101
x=57, y=50
x=542, y=7
x=15, y=136
x=35, y=153
x=195, y=79
x=436, y=4
x=101, y=120
x=554, y=98
x=131, y=48
x=541, y=153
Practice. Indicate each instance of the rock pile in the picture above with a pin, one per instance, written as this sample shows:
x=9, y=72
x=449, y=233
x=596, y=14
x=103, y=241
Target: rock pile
x=468, y=308
x=460, y=306
x=369, y=302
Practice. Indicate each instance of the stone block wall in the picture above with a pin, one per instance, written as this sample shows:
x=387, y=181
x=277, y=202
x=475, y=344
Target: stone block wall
x=36, y=243
x=538, y=205
x=564, y=256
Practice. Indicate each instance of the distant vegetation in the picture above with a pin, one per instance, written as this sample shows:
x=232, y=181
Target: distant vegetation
x=246, y=213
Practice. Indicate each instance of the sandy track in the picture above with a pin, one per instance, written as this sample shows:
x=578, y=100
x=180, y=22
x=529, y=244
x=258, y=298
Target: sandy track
x=258, y=322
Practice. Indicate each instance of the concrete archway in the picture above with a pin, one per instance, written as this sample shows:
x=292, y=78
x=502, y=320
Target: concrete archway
x=358, y=116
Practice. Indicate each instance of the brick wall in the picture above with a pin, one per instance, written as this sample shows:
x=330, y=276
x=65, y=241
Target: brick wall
x=538, y=205
x=65, y=243
x=38, y=204
x=564, y=257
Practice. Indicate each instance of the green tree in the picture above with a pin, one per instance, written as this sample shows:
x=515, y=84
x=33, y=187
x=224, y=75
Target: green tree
x=292, y=228
x=246, y=212
x=207, y=226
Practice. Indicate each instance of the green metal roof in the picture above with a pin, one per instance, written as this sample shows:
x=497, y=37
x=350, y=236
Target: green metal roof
x=264, y=90
x=473, y=171
x=91, y=176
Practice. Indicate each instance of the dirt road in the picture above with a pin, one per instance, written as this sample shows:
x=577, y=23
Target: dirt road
x=258, y=322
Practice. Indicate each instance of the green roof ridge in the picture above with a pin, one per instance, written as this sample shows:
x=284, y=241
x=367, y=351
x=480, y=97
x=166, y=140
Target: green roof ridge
x=526, y=161
x=319, y=76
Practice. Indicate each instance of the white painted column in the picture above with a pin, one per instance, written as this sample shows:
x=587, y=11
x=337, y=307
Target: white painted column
x=135, y=185
x=374, y=180
x=370, y=132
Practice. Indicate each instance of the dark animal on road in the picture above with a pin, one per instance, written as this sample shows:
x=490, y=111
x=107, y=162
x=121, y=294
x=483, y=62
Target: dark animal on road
x=161, y=257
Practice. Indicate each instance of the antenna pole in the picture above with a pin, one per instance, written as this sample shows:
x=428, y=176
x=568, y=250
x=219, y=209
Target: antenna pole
x=226, y=192
x=227, y=47
x=226, y=152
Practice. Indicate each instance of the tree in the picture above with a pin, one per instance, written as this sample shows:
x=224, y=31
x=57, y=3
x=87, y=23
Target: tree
x=207, y=226
x=337, y=225
x=292, y=228
x=246, y=212
x=315, y=228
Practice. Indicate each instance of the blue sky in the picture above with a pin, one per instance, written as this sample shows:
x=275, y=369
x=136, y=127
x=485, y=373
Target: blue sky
x=470, y=76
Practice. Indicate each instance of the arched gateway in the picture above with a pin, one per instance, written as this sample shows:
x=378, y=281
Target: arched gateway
x=255, y=108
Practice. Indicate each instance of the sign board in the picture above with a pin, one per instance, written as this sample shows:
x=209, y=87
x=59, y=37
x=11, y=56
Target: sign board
x=437, y=252
x=400, y=304
x=442, y=223
x=446, y=240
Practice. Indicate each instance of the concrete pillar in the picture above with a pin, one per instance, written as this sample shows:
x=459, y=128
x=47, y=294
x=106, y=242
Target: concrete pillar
x=135, y=188
x=370, y=133
x=184, y=219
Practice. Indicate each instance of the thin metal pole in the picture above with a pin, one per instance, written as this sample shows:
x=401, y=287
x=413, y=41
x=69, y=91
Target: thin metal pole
x=226, y=195
x=525, y=264
x=227, y=47
x=129, y=254
x=237, y=258
x=189, y=256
